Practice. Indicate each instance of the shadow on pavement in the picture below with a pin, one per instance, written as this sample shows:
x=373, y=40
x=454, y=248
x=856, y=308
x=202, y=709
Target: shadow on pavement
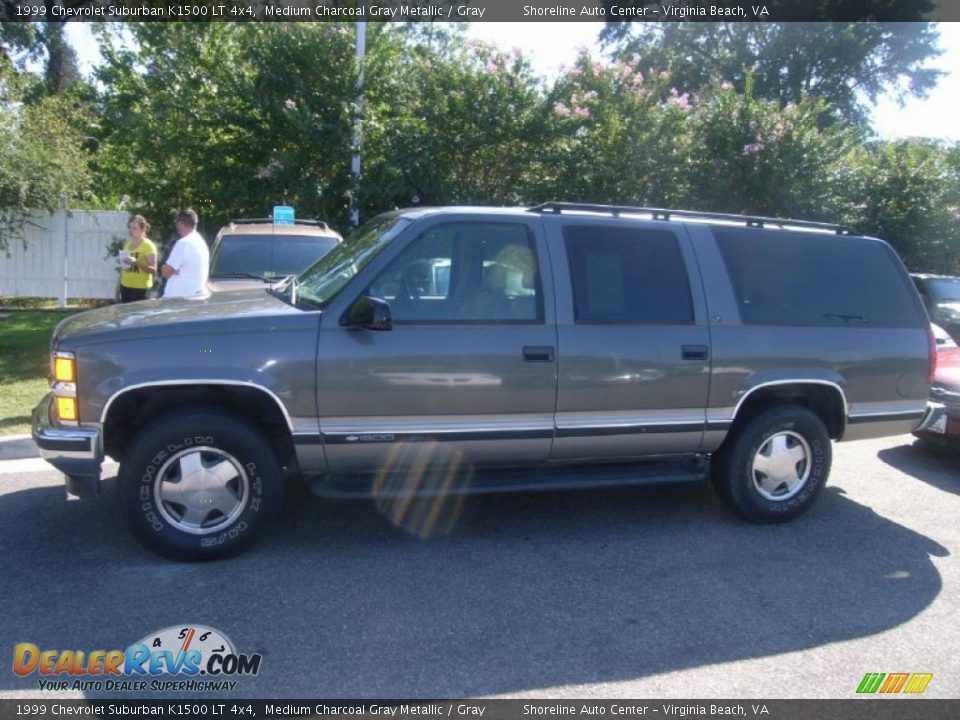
x=525, y=592
x=934, y=465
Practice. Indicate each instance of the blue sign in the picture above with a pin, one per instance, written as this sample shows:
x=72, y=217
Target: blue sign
x=283, y=215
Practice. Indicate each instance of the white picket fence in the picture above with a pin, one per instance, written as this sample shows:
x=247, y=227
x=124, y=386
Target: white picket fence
x=65, y=256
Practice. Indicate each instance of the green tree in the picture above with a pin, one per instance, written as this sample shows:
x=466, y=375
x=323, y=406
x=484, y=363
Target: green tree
x=618, y=133
x=227, y=118
x=750, y=155
x=303, y=105
x=62, y=71
x=26, y=42
x=448, y=121
x=42, y=159
x=908, y=193
x=845, y=64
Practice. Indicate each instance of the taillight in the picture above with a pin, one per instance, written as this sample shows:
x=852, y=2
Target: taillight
x=932, y=365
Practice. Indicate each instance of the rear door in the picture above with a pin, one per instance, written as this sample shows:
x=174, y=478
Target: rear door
x=633, y=340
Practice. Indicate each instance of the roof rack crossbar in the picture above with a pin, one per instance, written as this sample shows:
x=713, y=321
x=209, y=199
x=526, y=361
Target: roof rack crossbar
x=665, y=215
x=254, y=221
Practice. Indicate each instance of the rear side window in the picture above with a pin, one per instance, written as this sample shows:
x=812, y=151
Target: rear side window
x=790, y=278
x=627, y=276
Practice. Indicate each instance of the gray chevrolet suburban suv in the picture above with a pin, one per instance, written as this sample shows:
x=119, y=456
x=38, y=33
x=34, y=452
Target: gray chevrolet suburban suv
x=459, y=350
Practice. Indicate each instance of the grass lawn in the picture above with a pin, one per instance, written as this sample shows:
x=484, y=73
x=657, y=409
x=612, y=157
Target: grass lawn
x=24, y=364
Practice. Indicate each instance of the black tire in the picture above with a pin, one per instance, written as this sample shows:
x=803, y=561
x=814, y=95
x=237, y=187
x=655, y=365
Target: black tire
x=763, y=498
x=159, y=452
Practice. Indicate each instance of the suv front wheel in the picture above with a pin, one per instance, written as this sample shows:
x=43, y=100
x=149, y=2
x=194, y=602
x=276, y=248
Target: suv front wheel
x=774, y=466
x=198, y=485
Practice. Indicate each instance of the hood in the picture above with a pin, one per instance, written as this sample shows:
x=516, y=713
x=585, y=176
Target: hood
x=220, y=285
x=177, y=314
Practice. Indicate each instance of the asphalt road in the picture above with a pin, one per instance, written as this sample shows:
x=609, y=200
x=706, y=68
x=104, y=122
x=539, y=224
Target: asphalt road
x=641, y=592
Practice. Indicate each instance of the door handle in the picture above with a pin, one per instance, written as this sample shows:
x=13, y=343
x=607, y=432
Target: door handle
x=695, y=352
x=537, y=353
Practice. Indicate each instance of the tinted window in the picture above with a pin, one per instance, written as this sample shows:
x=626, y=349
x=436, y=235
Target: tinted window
x=792, y=278
x=466, y=272
x=268, y=255
x=625, y=275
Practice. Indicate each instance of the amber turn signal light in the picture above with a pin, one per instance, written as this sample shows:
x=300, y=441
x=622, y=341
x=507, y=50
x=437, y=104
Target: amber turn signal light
x=67, y=408
x=64, y=369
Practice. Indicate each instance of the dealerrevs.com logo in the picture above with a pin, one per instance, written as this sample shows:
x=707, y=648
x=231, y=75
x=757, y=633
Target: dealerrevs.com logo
x=203, y=659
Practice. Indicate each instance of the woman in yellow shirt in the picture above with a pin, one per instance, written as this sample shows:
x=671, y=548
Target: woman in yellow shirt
x=138, y=260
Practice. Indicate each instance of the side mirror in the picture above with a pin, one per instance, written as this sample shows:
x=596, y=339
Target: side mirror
x=368, y=312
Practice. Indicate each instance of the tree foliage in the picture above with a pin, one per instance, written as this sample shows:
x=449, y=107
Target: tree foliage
x=750, y=155
x=233, y=118
x=227, y=118
x=908, y=192
x=845, y=64
x=630, y=118
x=42, y=158
x=448, y=122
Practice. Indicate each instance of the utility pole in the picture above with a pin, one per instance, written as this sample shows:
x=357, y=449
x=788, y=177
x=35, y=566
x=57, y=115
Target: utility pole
x=65, y=213
x=357, y=127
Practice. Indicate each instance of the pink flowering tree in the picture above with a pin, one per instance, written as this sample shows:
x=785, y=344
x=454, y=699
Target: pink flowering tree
x=619, y=135
x=753, y=156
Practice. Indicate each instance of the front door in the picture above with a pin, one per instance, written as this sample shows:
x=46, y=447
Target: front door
x=468, y=374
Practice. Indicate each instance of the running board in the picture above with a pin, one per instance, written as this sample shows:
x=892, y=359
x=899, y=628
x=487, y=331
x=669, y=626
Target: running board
x=548, y=478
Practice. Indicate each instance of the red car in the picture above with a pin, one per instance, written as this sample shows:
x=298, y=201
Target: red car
x=945, y=431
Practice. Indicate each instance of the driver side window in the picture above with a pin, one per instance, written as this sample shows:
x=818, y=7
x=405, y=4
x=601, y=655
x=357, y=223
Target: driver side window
x=464, y=272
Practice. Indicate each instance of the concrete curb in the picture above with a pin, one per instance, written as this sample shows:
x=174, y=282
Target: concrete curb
x=17, y=447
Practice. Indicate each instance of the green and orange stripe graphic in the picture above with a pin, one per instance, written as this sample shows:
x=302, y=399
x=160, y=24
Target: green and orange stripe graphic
x=892, y=683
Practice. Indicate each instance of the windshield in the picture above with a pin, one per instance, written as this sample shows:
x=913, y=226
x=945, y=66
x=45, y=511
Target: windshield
x=327, y=276
x=268, y=256
x=944, y=289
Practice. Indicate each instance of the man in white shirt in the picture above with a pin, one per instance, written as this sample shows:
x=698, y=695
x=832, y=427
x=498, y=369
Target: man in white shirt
x=187, y=267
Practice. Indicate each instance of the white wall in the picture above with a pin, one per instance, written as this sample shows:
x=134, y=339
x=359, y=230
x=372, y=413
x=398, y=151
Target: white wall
x=65, y=256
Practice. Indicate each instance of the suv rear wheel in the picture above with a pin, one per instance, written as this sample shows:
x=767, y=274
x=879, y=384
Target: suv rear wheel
x=774, y=466
x=199, y=485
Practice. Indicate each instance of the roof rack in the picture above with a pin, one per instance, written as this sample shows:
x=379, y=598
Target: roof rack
x=254, y=221
x=666, y=215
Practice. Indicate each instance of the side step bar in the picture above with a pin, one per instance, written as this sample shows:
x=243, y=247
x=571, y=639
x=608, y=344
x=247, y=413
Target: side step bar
x=432, y=483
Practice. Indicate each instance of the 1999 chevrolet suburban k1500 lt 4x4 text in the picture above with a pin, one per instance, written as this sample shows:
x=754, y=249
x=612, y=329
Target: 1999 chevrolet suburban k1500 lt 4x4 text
x=561, y=345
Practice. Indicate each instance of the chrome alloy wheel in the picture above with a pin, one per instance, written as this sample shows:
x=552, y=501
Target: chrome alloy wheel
x=201, y=490
x=782, y=466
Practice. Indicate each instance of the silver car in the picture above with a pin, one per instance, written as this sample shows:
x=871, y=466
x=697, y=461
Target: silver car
x=249, y=253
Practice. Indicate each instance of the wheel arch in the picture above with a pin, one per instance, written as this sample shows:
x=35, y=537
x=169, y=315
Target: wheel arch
x=825, y=398
x=131, y=408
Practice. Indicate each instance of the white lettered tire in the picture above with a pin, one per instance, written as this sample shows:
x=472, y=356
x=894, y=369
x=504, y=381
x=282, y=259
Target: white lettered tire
x=198, y=484
x=774, y=466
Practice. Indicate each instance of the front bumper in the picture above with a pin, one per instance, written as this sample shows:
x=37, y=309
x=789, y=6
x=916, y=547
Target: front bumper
x=77, y=452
